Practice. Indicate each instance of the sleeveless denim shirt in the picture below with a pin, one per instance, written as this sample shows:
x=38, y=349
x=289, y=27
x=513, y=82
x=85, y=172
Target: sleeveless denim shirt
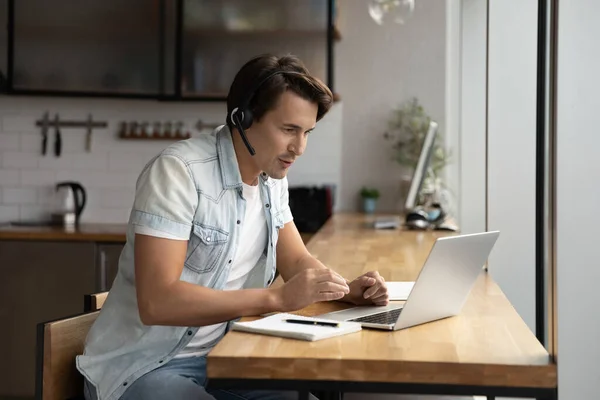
x=194, y=188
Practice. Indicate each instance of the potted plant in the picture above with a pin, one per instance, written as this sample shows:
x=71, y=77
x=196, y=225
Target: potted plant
x=407, y=128
x=369, y=197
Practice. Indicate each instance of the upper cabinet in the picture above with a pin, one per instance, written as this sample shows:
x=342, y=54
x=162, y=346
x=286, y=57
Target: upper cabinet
x=164, y=49
x=219, y=36
x=103, y=47
x=3, y=43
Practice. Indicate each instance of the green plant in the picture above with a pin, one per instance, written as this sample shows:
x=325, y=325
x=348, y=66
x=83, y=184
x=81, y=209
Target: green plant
x=406, y=132
x=369, y=193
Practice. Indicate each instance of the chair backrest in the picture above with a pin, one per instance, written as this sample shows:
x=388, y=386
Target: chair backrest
x=58, y=343
x=94, y=301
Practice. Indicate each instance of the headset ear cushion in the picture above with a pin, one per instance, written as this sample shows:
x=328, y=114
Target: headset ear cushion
x=247, y=119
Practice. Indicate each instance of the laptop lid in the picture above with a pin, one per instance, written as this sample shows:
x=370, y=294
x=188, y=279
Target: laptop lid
x=445, y=281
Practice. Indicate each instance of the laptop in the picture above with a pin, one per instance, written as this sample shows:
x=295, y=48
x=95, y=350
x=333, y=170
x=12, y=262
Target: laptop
x=440, y=291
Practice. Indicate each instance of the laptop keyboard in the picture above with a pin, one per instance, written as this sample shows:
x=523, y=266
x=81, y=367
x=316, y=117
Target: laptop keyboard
x=385, y=317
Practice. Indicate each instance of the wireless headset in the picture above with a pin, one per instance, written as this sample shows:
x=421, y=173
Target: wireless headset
x=241, y=117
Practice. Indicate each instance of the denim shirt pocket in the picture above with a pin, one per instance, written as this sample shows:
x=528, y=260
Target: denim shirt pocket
x=207, y=244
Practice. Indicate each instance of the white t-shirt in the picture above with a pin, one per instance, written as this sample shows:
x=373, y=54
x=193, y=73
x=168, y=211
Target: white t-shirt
x=252, y=243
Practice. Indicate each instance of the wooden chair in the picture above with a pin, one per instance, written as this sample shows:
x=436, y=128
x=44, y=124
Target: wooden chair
x=94, y=301
x=58, y=343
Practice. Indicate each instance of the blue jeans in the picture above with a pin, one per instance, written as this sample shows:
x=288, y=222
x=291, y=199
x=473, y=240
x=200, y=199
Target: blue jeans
x=185, y=379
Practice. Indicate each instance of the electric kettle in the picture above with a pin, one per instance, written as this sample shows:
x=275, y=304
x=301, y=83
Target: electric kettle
x=70, y=199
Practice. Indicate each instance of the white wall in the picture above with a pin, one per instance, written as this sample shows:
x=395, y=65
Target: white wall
x=378, y=68
x=451, y=173
x=511, y=149
x=578, y=193
x=473, y=125
x=321, y=163
x=110, y=170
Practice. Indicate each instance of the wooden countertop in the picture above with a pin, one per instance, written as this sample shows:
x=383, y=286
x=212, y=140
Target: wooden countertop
x=85, y=232
x=487, y=344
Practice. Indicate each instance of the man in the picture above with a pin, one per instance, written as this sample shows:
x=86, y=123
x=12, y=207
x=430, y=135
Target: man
x=209, y=225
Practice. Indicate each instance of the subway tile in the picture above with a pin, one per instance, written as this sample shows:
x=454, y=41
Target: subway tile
x=81, y=176
x=31, y=142
x=9, y=213
x=121, y=161
x=18, y=123
x=9, y=177
x=116, y=197
x=106, y=215
x=90, y=161
x=73, y=140
x=99, y=179
x=22, y=195
x=37, y=177
x=51, y=162
x=34, y=212
x=85, y=178
x=46, y=195
x=19, y=160
x=9, y=141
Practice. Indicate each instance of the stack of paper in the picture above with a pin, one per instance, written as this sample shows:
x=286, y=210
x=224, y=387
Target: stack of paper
x=399, y=290
x=276, y=325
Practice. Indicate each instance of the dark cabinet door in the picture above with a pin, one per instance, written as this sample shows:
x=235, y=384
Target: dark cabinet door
x=107, y=264
x=39, y=281
x=218, y=37
x=98, y=47
x=3, y=44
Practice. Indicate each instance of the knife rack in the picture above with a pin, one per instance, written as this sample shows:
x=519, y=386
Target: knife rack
x=56, y=123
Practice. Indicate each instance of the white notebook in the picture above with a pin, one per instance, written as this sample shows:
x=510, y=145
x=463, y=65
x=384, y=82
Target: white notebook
x=275, y=325
x=399, y=290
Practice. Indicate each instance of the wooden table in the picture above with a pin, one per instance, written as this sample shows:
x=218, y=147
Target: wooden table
x=486, y=350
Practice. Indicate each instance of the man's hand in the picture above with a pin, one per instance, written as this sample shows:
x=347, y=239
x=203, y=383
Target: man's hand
x=369, y=288
x=311, y=286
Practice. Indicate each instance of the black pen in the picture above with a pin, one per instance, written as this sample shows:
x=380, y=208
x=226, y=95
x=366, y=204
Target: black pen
x=309, y=322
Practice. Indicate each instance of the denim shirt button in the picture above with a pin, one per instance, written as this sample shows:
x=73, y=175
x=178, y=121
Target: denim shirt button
x=189, y=332
x=208, y=238
x=267, y=205
x=239, y=222
x=124, y=383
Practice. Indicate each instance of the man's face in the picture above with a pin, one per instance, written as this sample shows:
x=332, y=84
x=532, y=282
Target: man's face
x=279, y=138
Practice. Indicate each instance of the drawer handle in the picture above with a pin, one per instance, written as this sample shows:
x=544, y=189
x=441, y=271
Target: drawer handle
x=102, y=271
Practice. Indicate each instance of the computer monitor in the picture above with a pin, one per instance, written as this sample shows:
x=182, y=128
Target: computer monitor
x=421, y=168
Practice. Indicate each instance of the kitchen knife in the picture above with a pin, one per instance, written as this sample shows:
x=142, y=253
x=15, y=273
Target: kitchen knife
x=44, y=133
x=57, y=140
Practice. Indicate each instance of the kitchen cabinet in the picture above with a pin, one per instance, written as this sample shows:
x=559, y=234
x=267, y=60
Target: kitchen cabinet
x=161, y=49
x=41, y=281
x=3, y=44
x=220, y=36
x=103, y=47
x=107, y=264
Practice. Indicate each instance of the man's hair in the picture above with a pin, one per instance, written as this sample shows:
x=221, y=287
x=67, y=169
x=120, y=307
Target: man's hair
x=265, y=98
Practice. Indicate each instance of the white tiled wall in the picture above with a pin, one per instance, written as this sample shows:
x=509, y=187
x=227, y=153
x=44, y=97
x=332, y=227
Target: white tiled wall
x=109, y=171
